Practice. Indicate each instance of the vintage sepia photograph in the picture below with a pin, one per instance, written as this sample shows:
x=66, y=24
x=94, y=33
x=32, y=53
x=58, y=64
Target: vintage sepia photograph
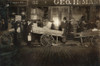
x=49, y=32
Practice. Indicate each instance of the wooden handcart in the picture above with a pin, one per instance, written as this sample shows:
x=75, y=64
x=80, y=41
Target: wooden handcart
x=47, y=38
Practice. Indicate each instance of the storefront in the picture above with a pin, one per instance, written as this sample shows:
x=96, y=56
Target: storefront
x=40, y=12
x=56, y=10
x=17, y=7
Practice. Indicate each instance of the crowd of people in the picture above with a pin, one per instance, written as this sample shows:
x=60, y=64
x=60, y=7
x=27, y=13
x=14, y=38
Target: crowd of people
x=23, y=29
x=81, y=25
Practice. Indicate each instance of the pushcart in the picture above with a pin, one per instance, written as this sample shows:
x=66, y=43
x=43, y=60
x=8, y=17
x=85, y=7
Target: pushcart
x=89, y=36
x=47, y=34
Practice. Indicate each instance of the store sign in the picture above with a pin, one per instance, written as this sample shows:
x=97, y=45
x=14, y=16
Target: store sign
x=17, y=3
x=65, y=2
x=76, y=2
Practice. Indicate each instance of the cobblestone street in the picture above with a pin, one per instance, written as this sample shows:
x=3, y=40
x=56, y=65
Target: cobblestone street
x=58, y=56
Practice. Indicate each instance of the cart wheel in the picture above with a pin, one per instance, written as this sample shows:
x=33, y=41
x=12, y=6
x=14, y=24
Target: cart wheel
x=63, y=39
x=95, y=40
x=46, y=40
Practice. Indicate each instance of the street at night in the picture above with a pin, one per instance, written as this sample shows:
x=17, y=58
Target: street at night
x=49, y=32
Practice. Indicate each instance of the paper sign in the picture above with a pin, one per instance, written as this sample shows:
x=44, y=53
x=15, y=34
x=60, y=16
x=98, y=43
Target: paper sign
x=29, y=38
x=18, y=17
x=18, y=30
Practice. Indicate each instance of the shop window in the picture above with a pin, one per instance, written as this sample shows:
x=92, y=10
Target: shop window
x=57, y=13
x=36, y=14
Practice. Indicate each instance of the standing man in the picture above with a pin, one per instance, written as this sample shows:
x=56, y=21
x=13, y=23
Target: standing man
x=29, y=35
x=17, y=33
x=64, y=26
x=24, y=30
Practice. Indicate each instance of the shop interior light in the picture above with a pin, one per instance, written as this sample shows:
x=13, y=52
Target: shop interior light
x=7, y=5
x=34, y=17
x=13, y=13
x=56, y=21
x=12, y=19
x=23, y=13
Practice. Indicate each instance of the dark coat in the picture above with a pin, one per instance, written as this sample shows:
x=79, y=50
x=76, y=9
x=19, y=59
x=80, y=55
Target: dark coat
x=67, y=28
x=16, y=25
x=91, y=26
x=29, y=27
